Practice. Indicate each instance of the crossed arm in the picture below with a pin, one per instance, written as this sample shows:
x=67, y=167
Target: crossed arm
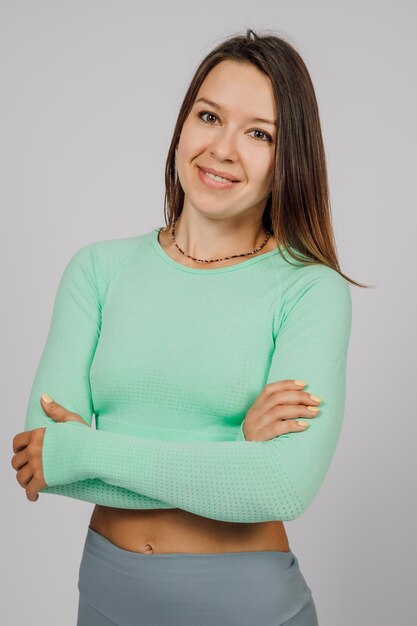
x=238, y=481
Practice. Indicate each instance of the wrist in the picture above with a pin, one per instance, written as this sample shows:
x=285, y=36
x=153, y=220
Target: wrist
x=64, y=452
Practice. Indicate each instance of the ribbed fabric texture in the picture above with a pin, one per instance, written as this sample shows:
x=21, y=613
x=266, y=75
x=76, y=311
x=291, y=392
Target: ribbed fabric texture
x=169, y=359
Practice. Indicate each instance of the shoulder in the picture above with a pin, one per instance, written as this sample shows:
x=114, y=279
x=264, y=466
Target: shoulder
x=113, y=251
x=297, y=277
x=99, y=261
x=311, y=290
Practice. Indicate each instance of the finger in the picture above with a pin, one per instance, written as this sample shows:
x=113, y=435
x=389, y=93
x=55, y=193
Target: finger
x=24, y=475
x=290, y=426
x=298, y=397
x=278, y=427
x=32, y=495
x=21, y=440
x=290, y=397
x=283, y=385
x=292, y=411
x=20, y=459
x=32, y=488
x=53, y=409
x=285, y=415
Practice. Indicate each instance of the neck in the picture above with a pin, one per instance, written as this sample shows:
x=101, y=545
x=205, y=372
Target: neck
x=219, y=244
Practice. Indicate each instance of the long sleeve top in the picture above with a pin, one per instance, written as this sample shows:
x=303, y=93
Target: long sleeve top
x=168, y=359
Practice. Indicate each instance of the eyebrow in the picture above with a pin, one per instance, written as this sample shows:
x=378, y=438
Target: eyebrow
x=254, y=119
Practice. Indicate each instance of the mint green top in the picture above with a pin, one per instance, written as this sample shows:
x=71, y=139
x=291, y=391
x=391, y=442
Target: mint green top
x=169, y=359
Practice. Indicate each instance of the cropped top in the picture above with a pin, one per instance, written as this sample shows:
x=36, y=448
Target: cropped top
x=168, y=359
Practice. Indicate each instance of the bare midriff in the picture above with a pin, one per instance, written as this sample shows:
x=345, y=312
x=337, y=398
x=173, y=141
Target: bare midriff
x=159, y=531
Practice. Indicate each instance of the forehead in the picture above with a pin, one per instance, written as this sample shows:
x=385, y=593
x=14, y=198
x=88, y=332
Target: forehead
x=240, y=87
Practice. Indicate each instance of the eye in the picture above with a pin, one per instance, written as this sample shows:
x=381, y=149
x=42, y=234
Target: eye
x=201, y=113
x=256, y=130
x=268, y=137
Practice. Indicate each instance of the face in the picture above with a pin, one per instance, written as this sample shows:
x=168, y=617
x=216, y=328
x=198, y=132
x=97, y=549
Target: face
x=224, y=135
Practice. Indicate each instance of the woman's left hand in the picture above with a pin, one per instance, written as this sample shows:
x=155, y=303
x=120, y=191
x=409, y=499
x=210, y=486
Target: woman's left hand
x=27, y=445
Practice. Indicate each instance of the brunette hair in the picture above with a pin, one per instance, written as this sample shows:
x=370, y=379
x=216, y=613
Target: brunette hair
x=298, y=208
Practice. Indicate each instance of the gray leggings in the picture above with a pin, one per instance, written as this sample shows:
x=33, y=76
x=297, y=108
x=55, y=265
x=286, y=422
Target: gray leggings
x=118, y=587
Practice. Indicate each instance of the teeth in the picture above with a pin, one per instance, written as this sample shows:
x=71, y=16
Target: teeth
x=214, y=177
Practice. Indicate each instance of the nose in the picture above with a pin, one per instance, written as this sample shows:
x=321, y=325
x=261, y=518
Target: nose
x=223, y=147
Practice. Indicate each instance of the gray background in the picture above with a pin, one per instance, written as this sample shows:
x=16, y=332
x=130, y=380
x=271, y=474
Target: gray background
x=89, y=95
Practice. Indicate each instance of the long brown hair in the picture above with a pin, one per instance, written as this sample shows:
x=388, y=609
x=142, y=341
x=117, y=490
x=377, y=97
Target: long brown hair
x=298, y=207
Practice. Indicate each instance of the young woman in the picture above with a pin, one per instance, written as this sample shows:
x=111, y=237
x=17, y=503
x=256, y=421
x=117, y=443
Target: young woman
x=197, y=347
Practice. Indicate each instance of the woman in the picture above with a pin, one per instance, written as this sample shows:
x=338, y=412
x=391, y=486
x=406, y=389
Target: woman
x=193, y=346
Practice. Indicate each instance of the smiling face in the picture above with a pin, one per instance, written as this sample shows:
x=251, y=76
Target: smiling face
x=227, y=135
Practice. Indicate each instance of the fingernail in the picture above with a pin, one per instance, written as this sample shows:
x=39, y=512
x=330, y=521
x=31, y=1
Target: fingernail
x=304, y=424
x=315, y=398
x=46, y=398
x=300, y=382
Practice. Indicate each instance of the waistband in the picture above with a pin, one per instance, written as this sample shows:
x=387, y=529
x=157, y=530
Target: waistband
x=99, y=541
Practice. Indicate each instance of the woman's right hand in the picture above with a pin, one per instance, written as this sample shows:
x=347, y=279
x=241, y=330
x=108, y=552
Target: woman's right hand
x=274, y=410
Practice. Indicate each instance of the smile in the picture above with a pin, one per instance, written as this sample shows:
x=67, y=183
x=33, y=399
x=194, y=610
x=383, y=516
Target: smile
x=215, y=177
x=215, y=182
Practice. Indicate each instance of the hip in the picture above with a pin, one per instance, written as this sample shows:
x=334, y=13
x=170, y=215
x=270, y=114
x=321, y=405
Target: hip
x=128, y=588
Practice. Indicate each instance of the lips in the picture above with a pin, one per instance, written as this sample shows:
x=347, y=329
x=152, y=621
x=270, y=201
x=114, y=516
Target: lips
x=230, y=177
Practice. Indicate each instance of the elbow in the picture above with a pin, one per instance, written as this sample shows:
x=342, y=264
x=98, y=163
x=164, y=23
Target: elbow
x=289, y=509
x=289, y=514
